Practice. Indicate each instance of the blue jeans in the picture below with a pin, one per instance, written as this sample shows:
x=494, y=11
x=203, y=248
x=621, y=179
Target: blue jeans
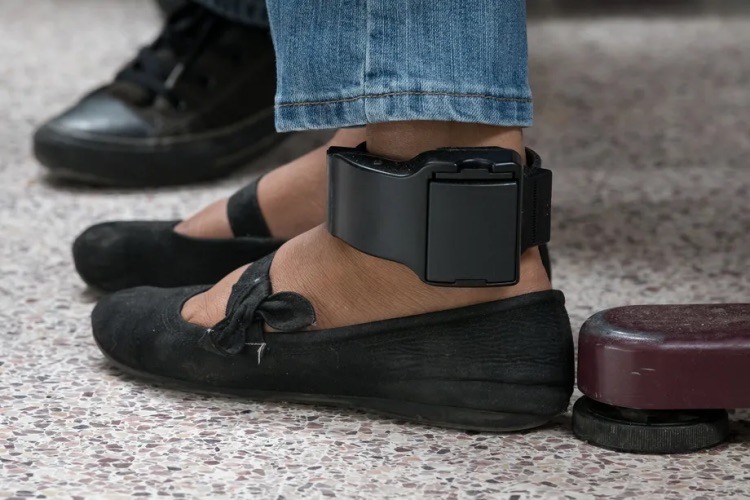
x=343, y=63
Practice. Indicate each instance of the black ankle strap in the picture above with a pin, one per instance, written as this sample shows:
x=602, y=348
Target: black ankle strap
x=537, y=196
x=243, y=211
x=455, y=216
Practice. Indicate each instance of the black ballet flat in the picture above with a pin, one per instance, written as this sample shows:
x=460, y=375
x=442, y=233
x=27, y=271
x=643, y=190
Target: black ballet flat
x=123, y=254
x=500, y=366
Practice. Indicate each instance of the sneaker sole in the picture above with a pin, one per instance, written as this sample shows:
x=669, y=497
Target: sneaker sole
x=125, y=162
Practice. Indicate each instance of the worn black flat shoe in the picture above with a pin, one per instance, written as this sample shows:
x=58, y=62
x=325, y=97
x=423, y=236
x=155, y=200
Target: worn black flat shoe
x=122, y=254
x=499, y=366
x=194, y=105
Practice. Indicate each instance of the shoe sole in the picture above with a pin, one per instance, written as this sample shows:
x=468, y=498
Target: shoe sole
x=451, y=417
x=126, y=162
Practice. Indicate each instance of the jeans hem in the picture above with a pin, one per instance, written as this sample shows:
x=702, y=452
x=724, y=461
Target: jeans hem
x=404, y=106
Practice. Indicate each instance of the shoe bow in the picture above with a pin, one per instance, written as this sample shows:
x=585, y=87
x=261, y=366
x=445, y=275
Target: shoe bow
x=251, y=305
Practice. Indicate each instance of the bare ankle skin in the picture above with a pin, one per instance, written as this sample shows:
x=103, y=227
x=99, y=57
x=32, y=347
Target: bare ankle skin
x=292, y=197
x=349, y=287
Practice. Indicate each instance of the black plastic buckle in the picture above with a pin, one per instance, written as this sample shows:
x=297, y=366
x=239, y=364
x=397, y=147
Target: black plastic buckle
x=452, y=215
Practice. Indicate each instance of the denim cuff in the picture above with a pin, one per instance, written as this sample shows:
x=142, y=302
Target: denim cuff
x=250, y=12
x=404, y=106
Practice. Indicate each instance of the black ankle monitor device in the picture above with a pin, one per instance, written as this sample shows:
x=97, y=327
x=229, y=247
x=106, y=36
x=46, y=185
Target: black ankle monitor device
x=454, y=216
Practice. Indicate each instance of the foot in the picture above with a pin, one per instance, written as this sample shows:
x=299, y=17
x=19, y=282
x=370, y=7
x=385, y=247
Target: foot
x=348, y=287
x=305, y=324
x=193, y=105
x=500, y=366
x=292, y=198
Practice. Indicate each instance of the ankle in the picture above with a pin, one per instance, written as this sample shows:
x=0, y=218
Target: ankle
x=293, y=198
x=347, y=286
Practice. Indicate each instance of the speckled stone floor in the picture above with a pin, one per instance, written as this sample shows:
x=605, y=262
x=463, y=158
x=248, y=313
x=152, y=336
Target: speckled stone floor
x=645, y=120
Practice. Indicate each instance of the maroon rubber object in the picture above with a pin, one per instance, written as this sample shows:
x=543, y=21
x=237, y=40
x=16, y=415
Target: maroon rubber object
x=667, y=357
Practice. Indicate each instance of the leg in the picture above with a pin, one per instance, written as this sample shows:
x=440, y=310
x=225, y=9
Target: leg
x=475, y=109
x=347, y=286
x=322, y=321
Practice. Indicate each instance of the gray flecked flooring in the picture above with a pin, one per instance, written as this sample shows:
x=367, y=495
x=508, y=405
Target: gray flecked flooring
x=644, y=119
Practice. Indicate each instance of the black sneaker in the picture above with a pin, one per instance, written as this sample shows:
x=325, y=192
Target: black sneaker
x=194, y=105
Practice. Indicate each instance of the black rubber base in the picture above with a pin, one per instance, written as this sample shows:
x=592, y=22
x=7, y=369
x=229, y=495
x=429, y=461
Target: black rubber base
x=154, y=162
x=648, y=431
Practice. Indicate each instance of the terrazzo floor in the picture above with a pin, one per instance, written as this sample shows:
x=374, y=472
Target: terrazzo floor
x=645, y=120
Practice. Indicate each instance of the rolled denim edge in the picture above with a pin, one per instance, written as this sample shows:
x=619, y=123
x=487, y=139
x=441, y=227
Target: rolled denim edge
x=252, y=13
x=404, y=106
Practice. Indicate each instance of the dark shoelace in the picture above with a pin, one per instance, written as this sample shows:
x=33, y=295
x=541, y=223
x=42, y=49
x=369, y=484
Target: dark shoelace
x=157, y=67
